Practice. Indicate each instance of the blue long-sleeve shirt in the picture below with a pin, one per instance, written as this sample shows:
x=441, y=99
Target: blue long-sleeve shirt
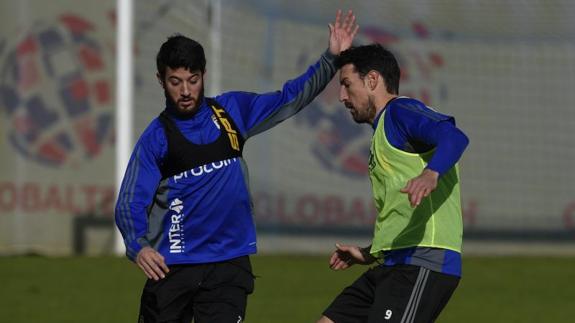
x=205, y=214
x=413, y=127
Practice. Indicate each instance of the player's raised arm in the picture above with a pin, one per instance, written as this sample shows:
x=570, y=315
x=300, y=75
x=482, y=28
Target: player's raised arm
x=261, y=112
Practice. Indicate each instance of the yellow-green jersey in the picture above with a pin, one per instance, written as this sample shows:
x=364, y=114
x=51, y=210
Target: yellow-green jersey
x=429, y=235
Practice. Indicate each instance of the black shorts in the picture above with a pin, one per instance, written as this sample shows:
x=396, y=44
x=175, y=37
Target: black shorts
x=402, y=294
x=208, y=293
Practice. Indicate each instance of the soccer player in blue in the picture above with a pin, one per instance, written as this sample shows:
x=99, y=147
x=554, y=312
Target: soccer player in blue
x=184, y=208
x=415, y=183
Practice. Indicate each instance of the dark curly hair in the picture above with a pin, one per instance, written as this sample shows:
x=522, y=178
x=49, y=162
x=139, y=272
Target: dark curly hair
x=180, y=51
x=372, y=57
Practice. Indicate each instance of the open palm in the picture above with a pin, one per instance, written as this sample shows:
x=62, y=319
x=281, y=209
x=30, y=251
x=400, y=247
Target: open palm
x=341, y=34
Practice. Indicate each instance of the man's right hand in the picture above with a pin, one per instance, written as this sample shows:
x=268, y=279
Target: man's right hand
x=347, y=255
x=152, y=263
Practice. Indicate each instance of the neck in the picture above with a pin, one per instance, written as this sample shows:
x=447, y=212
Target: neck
x=172, y=109
x=380, y=103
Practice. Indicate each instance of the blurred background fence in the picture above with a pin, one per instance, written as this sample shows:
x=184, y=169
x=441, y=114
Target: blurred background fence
x=504, y=69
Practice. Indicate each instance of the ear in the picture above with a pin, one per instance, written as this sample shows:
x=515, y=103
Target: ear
x=372, y=79
x=160, y=79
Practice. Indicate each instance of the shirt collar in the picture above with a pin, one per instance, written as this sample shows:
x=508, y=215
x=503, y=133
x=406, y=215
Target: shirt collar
x=173, y=112
x=376, y=120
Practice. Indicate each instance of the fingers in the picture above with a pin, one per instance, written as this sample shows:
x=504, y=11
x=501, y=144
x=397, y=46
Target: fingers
x=163, y=265
x=342, y=32
x=416, y=193
x=149, y=271
x=337, y=18
x=341, y=258
x=339, y=261
x=341, y=265
x=152, y=264
x=349, y=22
x=407, y=187
x=416, y=197
x=355, y=30
x=336, y=256
x=153, y=270
x=350, y=25
x=413, y=194
x=333, y=259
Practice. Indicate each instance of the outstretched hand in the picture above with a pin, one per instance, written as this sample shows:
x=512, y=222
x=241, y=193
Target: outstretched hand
x=346, y=255
x=341, y=34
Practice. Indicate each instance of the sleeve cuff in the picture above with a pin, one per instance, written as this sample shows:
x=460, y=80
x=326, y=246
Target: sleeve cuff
x=329, y=58
x=434, y=168
x=134, y=248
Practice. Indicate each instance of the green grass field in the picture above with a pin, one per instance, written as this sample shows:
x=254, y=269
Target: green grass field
x=289, y=289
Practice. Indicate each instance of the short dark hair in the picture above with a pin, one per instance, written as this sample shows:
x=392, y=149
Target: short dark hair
x=372, y=57
x=180, y=51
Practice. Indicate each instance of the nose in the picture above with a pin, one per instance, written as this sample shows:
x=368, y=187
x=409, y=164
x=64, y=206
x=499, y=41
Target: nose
x=342, y=94
x=185, y=89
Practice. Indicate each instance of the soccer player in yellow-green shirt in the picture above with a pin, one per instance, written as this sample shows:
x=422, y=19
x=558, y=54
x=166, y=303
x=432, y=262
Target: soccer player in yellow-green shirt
x=415, y=183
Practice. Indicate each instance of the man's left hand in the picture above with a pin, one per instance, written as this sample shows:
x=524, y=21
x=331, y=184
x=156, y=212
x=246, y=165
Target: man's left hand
x=341, y=33
x=421, y=186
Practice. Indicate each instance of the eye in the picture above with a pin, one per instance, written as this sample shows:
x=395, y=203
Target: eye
x=174, y=82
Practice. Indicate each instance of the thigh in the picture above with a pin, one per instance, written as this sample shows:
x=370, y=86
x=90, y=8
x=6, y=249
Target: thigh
x=223, y=295
x=409, y=294
x=225, y=304
x=353, y=304
x=169, y=299
x=435, y=297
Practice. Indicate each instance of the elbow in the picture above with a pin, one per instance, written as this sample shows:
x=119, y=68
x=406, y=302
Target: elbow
x=462, y=141
x=121, y=211
x=465, y=141
x=117, y=214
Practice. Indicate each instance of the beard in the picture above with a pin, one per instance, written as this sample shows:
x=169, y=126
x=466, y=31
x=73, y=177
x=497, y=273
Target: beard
x=364, y=116
x=175, y=105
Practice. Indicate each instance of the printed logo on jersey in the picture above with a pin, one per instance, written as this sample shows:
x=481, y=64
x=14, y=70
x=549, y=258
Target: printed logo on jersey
x=232, y=134
x=176, y=232
x=371, y=160
x=340, y=144
x=205, y=169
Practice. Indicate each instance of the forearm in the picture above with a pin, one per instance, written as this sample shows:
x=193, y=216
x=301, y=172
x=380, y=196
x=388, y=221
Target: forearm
x=272, y=108
x=136, y=193
x=451, y=144
x=132, y=225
